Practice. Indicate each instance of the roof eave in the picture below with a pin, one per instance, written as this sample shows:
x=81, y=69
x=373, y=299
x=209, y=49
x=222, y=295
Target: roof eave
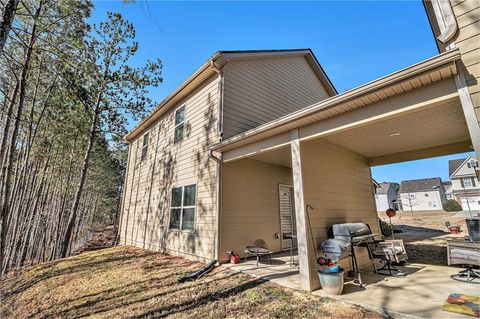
x=154, y=114
x=412, y=71
x=225, y=56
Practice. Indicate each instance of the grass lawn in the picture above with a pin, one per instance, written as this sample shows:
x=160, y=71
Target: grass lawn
x=125, y=282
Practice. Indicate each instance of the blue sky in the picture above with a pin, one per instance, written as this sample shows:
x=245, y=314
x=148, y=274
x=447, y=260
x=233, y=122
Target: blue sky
x=355, y=42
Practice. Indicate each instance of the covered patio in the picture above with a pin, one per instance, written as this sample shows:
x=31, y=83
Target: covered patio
x=323, y=154
x=421, y=293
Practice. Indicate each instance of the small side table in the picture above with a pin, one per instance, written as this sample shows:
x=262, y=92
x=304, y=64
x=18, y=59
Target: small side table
x=292, y=239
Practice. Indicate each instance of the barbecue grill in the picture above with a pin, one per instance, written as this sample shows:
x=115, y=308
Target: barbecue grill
x=343, y=238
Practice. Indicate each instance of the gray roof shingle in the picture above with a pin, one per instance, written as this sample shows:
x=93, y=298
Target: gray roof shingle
x=383, y=188
x=453, y=165
x=420, y=185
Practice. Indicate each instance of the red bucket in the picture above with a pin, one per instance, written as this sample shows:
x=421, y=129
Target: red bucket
x=234, y=259
x=454, y=230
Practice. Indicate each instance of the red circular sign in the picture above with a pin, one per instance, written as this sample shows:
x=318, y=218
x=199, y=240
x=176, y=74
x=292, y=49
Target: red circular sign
x=391, y=212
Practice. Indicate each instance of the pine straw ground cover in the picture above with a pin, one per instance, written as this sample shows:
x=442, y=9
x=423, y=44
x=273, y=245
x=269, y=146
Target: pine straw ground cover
x=125, y=282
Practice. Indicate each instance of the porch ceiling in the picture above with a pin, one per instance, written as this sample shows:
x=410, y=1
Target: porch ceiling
x=426, y=128
x=281, y=156
x=431, y=130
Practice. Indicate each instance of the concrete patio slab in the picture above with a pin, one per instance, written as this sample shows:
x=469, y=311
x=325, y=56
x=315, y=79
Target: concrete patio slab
x=420, y=294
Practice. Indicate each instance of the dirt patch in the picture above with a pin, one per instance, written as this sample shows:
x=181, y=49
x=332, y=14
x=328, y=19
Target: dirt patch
x=125, y=282
x=425, y=234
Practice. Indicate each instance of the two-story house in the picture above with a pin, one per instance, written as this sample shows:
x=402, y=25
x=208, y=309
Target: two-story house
x=465, y=185
x=171, y=187
x=259, y=145
x=422, y=194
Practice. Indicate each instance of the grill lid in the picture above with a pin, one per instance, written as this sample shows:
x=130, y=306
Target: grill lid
x=348, y=231
x=335, y=249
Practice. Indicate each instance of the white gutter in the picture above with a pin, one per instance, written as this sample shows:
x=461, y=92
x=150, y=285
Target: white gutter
x=445, y=19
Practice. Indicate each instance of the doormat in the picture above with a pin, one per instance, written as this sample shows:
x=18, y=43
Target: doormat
x=464, y=304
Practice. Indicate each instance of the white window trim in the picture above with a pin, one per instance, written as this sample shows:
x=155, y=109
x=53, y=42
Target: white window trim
x=144, y=146
x=184, y=106
x=181, y=209
x=465, y=179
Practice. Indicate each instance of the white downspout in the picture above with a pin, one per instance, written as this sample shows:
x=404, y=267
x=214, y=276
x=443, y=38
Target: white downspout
x=219, y=161
x=445, y=19
x=220, y=97
x=216, y=254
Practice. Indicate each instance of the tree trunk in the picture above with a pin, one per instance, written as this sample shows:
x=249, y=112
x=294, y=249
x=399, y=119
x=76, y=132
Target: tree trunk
x=7, y=20
x=9, y=159
x=78, y=193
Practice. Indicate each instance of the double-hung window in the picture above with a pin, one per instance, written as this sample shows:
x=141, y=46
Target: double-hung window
x=179, y=124
x=468, y=182
x=145, y=146
x=182, y=209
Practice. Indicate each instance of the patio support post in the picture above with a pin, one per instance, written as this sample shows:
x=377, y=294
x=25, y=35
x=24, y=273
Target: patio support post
x=468, y=109
x=306, y=255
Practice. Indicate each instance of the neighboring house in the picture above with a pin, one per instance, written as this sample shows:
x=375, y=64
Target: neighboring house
x=259, y=145
x=386, y=196
x=448, y=190
x=422, y=194
x=465, y=185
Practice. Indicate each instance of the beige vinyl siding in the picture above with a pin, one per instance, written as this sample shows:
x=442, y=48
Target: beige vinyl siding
x=250, y=204
x=261, y=90
x=146, y=208
x=467, y=40
x=337, y=183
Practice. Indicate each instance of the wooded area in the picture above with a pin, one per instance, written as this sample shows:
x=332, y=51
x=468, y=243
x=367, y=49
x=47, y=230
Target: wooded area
x=66, y=92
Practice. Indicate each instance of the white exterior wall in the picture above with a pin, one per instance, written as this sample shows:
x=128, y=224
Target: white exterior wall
x=457, y=185
x=471, y=202
x=421, y=201
x=381, y=201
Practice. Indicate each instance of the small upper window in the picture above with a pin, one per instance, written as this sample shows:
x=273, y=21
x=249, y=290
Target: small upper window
x=145, y=146
x=468, y=182
x=426, y=195
x=179, y=124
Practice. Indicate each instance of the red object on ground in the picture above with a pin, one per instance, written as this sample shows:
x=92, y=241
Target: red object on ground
x=391, y=212
x=234, y=259
x=454, y=230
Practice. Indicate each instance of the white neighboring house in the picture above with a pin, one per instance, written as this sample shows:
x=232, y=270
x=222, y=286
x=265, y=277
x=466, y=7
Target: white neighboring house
x=386, y=196
x=465, y=185
x=449, y=191
x=422, y=194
